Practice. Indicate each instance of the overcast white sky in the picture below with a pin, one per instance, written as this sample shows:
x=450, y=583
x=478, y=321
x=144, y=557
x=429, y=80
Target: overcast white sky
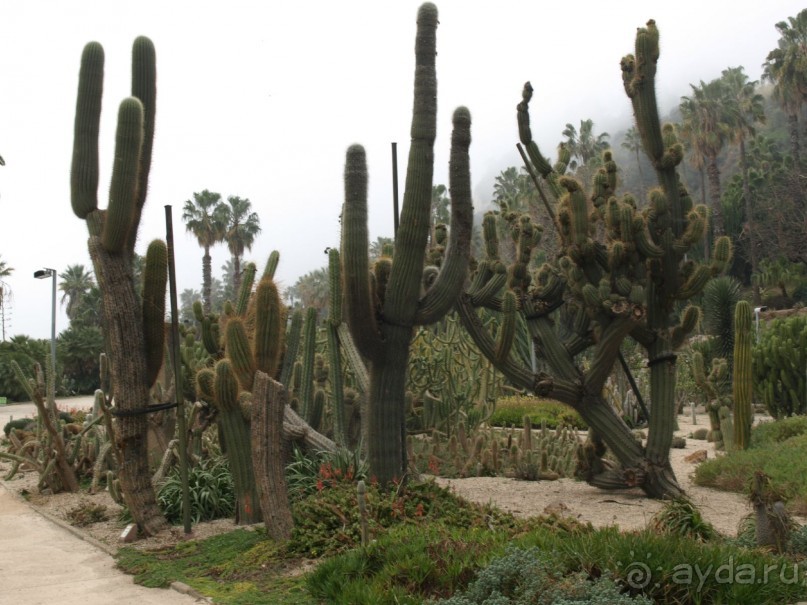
x=261, y=99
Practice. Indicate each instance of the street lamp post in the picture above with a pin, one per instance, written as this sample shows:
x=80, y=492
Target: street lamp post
x=42, y=274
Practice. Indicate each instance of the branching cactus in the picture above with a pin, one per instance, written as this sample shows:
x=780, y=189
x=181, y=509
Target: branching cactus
x=134, y=334
x=253, y=345
x=383, y=306
x=620, y=274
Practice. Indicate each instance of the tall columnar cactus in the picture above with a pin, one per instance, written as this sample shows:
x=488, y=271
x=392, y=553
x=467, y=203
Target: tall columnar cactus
x=381, y=312
x=621, y=272
x=133, y=334
x=741, y=382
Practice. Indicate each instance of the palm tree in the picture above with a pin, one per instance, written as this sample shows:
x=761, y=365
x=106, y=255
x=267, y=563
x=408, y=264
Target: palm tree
x=203, y=218
x=585, y=145
x=786, y=67
x=633, y=143
x=5, y=270
x=241, y=227
x=75, y=283
x=747, y=111
x=312, y=290
x=708, y=129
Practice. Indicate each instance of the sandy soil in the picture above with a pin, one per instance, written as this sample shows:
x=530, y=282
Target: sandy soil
x=628, y=509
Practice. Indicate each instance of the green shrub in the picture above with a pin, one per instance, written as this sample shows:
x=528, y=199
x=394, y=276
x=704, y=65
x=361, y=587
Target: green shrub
x=327, y=521
x=510, y=411
x=527, y=576
x=777, y=459
x=682, y=517
x=409, y=565
x=25, y=424
x=212, y=495
x=767, y=433
x=307, y=473
x=798, y=541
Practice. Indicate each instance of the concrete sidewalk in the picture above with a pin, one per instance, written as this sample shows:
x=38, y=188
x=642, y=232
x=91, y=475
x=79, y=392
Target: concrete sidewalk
x=42, y=563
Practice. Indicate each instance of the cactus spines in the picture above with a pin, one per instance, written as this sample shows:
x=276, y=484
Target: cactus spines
x=271, y=265
x=245, y=291
x=335, y=287
x=205, y=380
x=155, y=277
x=269, y=335
x=741, y=381
x=240, y=353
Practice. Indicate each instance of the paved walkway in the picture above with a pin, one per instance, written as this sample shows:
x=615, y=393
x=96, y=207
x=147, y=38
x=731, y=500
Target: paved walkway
x=41, y=563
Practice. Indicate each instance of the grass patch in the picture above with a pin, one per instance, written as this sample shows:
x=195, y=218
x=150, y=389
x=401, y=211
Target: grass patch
x=241, y=568
x=778, y=451
x=412, y=565
x=510, y=411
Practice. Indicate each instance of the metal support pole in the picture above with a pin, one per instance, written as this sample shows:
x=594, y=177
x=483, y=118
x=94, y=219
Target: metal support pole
x=395, y=188
x=181, y=423
x=53, y=324
x=42, y=274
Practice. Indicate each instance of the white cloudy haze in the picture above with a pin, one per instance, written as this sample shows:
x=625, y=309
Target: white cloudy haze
x=261, y=99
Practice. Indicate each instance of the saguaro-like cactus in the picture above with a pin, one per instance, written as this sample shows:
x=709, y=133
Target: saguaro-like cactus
x=741, y=381
x=383, y=307
x=134, y=341
x=620, y=273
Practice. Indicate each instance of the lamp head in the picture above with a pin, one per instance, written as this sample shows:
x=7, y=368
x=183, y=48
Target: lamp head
x=43, y=273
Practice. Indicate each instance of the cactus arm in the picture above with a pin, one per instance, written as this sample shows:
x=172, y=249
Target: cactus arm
x=84, y=169
x=354, y=358
x=607, y=349
x=239, y=353
x=125, y=174
x=507, y=329
x=403, y=290
x=361, y=316
x=144, y=87
x=155, y=277
x=271, y=265
x=268, y=327
x=440, y=297
x=245, y=291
